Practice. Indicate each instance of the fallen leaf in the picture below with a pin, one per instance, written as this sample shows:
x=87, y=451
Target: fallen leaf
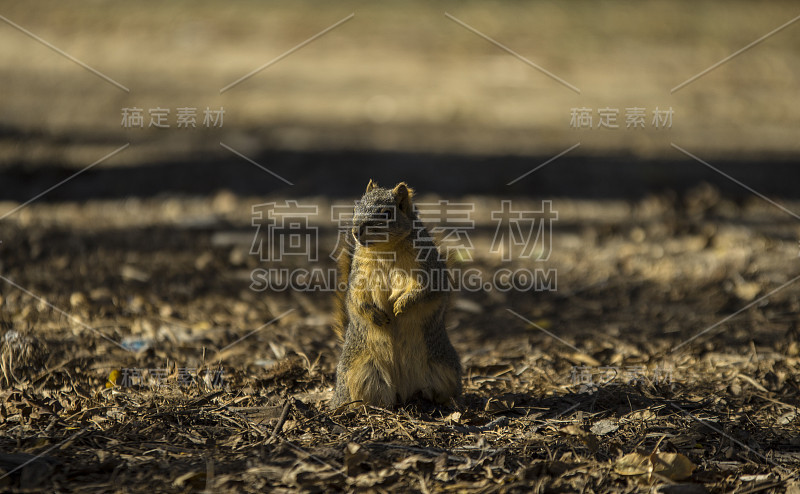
x=194, y=479
x=416, y=463
x=306, y=474
x=453, y=418
x=372, y=478
x=640, y=415
x=590, y=440
x=354, y=456
x=786, y=418
x=673, y=466
x=572, y=430
x=603, y=427
x=112, y=378
x=633, y=464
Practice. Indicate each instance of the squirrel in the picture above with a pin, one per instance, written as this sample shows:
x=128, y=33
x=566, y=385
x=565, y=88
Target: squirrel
x=391, y=306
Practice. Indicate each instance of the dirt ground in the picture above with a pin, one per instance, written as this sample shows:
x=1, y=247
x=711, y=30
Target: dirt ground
x=659, y=351
x=670, y=330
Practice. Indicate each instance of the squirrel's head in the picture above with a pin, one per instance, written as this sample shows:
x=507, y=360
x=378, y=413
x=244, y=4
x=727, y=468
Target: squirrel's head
x=383, y=217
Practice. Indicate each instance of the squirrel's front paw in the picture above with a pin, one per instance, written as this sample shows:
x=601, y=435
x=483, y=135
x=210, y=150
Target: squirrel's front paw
x=377, y=316
x=399, y=307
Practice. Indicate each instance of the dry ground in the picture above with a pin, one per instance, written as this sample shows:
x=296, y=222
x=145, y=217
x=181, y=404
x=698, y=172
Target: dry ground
x=636, y=278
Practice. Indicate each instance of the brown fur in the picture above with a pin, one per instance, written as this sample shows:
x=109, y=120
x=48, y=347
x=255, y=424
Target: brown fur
x=395, y=343
x=343, y=272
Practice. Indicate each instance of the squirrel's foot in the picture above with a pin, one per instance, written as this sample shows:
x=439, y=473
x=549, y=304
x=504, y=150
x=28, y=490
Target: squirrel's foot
x=377, y=316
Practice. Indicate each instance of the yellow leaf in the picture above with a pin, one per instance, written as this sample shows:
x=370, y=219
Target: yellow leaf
x=112, y=379
x=673, y=466
x=633, y=464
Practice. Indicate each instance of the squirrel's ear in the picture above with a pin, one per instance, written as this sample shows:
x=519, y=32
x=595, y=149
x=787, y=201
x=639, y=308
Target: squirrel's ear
x=403, y=194
x=371, y=185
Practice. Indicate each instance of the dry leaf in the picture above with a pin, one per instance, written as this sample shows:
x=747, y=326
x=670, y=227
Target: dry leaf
x=305, y=474
x=112, y=378
x=373, y=478
x=640, y=415
x=196, y=479
x=793, y=487
x=590, y=440
x=673, y=466
x=354, y=456
x=453, y=418
x=417, y=463
x=572, y=430
x=494, y=405
x=633, y=464
x=603, y=427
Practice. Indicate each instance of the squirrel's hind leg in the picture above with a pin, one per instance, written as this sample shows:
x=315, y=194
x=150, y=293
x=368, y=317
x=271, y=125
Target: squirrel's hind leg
x=366, y=382
x=445, y=382
x=373, y=387
x=341, y=394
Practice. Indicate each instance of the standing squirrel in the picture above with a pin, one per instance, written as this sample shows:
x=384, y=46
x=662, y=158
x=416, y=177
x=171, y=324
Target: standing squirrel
x=391, y=313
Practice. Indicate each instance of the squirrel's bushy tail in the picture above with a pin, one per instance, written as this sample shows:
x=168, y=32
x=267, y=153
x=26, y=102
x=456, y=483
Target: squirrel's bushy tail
x=340, y=319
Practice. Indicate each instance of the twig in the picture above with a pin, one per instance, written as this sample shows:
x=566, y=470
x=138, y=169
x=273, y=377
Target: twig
x=498, y=422
x=314, y=457
x=763, y=487
x=281, y=420
x=430, y=451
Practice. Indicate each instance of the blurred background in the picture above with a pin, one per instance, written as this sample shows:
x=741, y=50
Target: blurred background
x=397, y=92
